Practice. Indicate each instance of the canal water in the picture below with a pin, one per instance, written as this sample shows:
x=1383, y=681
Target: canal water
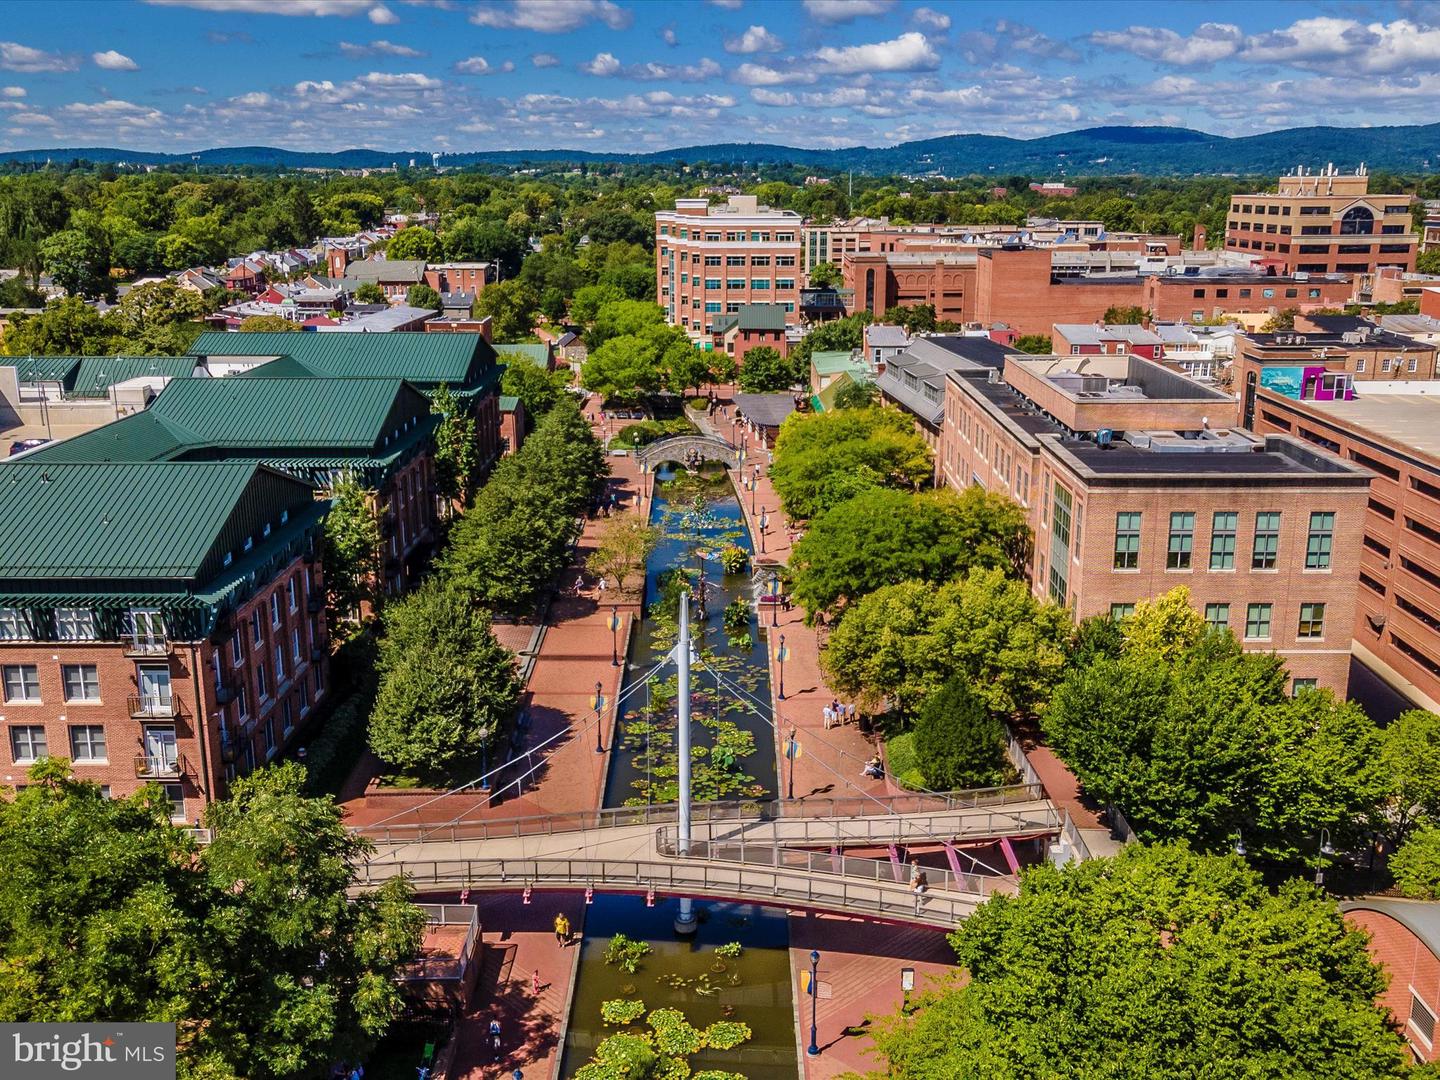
x=698, y=516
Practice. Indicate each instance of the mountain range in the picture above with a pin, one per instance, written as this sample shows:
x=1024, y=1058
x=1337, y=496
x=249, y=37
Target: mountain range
x=1156, y=151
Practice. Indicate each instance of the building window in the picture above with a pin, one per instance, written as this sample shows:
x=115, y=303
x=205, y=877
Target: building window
x=176, y=794
x=760, y=283
x=262, y=679
x=1060, y=545
x=1217, y=616
x=13, y=625
x=27, y=743
x=1222, y=540
x=269, y=734
x=279, y=663
x=1121, y=611
x=22, y=682
x=81, y=681
x=1267, y=540
x=295, y=644
x=1320, y=540
x=1360, y=364
x=274, y=609
x=1300, y=685
x=292, y=590
x=73, y=624
x=1257, y=622
x=87, y=743
x=288, y=711
x=1312, y=621
x=241, y=709
x=255, y=626
x=1412, y=365
x=1422, y=1020
x=1182, y=541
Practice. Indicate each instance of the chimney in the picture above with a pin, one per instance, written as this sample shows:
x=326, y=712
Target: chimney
x=1200, y=238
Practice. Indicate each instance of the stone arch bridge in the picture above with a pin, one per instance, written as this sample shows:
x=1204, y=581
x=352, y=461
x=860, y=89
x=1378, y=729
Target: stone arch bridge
x=688, y=449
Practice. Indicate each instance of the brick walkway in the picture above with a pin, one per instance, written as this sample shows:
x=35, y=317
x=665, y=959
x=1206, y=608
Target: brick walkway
x=860, y=965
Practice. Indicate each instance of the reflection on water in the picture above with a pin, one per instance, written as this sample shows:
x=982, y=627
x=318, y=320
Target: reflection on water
x=753, y=989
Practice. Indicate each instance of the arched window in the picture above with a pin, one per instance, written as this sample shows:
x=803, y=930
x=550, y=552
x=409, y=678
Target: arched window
x=1358, y=221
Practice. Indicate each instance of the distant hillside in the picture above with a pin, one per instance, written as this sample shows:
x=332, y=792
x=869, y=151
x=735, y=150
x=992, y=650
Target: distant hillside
x=1094, y=151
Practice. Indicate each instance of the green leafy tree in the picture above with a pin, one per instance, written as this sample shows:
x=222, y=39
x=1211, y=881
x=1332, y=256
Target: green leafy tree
x=913, y=318
x=884, y=537
x=901, y=643
x=1167, y=627
x=588, y=301
x=623, y=318
x=1410, y=757
x=623, y=545
x=537, y=388
x=764, y=371
x=352, y=548
x=511, y=306
x=1280, y=321
x=414, y=243
x=863, y=394
x=471, y=239
x=1035, y=344
x=1124, y=315
x=684, y=366
x=457, y=456
x=1203, y=743
x=369, y=292
x=1158, y=962
x=422, y=296
x=820, y=456
x=252, y=945
x=837, y=335
x=79, y=261
x=1416, y=864
x=268, y=324
x=1428, y=262
x=826, y=275
x=447, y=687
x=624, y=369
x=68, y=327
x=958, y=741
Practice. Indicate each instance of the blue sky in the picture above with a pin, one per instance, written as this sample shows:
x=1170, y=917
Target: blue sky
x=452, y=75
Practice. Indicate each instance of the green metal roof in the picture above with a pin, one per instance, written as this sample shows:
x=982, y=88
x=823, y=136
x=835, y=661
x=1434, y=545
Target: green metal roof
x=539, y=355
x=834, y=363
x=508, y=403
x=111, y=521
x=461, y=360
x=96, y=374
x=761, y=316
x=356, y=414
x=34, y=369
x=141, y=436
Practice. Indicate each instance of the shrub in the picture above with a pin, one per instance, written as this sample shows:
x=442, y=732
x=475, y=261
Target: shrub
x=958, y=743
x=1416, y=865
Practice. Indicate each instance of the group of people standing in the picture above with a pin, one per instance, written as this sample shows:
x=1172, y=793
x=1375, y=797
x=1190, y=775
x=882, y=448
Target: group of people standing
x=837, y=713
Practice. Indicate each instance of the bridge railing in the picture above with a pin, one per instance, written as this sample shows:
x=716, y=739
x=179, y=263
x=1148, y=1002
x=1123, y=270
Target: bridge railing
x=777, y=856
x=780, y=886
x=972, y=823
x=668, y=813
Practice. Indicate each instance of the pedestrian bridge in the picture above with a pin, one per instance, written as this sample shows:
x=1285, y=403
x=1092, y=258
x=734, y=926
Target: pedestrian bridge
x=782, y=854
x=685, y=449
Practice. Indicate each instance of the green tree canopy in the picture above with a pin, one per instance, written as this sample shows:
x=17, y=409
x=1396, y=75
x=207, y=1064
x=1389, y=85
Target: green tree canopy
x=763, y=371
x=352, y=548
x=857, y=394
x=537, y=388
x=1157, y=963
x=370, y=292
x=414, y=243
x=629, y=367
x=79, y=261
x=1410, y=757
x=901, y=643
x=511, y=306
x=913, y=318
x=1416, y=864
x=447, y=687
x=267, y=324
x=252, y=945
x=1122, y=315
x=457, y=457
x=825, y=275
x=1035, y=344
x=959, y=743
x=423, y=296
x=819, y=457
x=884, y=537
x=620, y=318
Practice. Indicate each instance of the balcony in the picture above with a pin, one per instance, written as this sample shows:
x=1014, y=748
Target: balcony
x=145, y=645
x=159, y=767
x=154, y=705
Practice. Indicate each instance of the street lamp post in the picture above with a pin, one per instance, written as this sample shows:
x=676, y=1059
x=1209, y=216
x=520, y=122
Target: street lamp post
x=599, y=704
x=614, y=630
x=780, y=656
x=1325, y=852
x=814, y=1048
x=774, y=597
x=754, y=489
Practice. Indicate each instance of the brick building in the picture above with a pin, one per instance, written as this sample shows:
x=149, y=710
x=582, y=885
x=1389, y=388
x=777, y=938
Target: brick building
x=1405, y=940
x=1391, y=430
x=1324, y=223
x=1097, y=339
x=878, y=282
x=1210, y=293
x=914, y=380
x=464, y=363
x=710, y=260
x=1134, y=486
x=159, y=623
x=754, y=326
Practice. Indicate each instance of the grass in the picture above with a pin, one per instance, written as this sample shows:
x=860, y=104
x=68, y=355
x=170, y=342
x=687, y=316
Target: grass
x=904, y=765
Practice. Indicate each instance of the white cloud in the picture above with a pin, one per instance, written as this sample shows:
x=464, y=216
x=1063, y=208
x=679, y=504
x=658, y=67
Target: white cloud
x=908, y=52
x=755, y=39
x=12, y=91
x=545, y=60
x=111, y=60
x=254, y=99
x=669, y=36
x=377, y=13
x=1209, y=43
x=936, y=20
x=603, y=65
x=404, y=83
x=551, y=16
x=728, y=5
x=32, y=119
x=773, y=97
x=17, y=57
x=834, y=12
x=762, y=75
x=478, y=65
x=116, y=111
x=380, y=48
x=380, y=15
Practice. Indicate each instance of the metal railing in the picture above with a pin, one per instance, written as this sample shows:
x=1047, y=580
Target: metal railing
x=967, y=823
x=668, y=813
x=785, y=886
x=1016, y=753
x=154, y=705
x=445, y=968
x=159, y=767
x=145, y=645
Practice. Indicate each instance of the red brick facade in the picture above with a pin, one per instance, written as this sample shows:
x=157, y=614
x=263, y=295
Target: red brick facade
x=1414, y=973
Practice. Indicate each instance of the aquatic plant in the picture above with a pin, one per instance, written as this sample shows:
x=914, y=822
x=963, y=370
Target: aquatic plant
x=730, y=949
x=626, y=953
x=622, y=1010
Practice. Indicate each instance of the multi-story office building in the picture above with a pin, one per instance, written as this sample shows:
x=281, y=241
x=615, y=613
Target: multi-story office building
x=1324, y=223
x=1393, y=430
x=712, y=260
x=1134, y=485
x=159, y=622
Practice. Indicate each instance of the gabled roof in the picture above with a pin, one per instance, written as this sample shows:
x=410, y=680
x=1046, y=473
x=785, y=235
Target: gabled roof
x=141, y=436
x=121, y=521
x=44, y=369
x=539, y=355
x=403, y=270
x=96, y=374
x=464, y=361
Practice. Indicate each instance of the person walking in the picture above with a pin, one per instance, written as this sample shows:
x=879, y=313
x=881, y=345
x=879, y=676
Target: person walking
x=495, y=1037
x=829, y=717
x=535, y=983
x=562, y=930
